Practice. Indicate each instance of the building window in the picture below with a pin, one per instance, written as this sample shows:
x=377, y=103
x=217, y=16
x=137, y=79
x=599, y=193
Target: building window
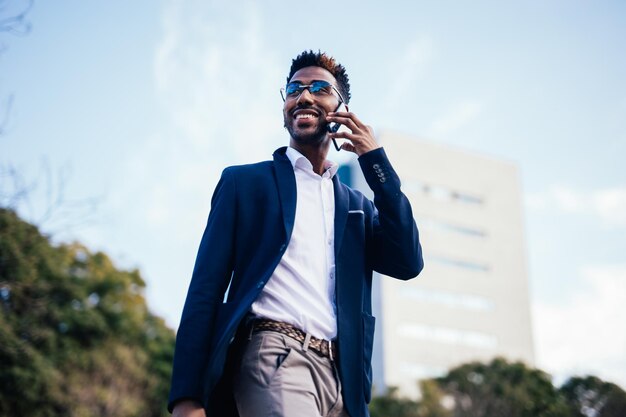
x=467, y=198
x=421, y=371
x=448, y=336
x=449, y=299
x=441, y=192
x=433, y=224
x=458, y=263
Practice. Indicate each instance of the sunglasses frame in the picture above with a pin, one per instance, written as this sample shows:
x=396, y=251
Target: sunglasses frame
x=302, y=87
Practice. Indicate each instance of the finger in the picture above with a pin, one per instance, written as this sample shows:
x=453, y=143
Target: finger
x=346, y=121
x=349, y=115
x=344, y=135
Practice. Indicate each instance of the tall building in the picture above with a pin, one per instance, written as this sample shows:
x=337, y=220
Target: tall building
x=471, y=301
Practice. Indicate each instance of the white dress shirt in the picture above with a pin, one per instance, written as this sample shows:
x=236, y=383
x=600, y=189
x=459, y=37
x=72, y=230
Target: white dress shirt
x=301, y=291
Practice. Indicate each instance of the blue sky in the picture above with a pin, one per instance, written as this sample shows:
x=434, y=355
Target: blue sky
x=141, y=104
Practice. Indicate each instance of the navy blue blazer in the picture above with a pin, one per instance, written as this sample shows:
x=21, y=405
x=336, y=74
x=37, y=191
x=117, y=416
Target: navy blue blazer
x=249, y=226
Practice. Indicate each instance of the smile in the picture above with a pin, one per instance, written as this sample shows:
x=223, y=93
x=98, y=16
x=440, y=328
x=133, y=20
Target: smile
x=305, y=116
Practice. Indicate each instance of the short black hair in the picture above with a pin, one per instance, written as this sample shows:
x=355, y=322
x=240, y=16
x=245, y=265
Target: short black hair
x=321, y=59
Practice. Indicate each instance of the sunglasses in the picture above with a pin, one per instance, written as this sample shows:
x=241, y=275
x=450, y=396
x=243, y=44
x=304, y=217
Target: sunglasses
x=317, y=88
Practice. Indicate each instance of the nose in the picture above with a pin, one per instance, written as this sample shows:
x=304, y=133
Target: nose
x=305, y=97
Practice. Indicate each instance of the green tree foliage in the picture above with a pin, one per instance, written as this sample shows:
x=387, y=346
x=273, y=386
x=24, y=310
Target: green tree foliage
x=433, y=399
x=392, y=405
x=76, y=337
x=504, y=389
x=501, y=389
x=591, y=397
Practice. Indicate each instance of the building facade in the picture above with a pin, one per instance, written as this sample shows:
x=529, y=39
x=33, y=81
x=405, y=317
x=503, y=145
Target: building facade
x=471, y=302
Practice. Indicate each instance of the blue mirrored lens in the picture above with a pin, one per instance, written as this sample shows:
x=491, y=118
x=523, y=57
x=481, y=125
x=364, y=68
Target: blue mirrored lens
x=317, y=86
x=293, y=88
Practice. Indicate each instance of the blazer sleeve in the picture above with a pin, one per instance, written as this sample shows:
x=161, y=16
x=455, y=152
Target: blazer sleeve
x=394, y=248
x=209, y=281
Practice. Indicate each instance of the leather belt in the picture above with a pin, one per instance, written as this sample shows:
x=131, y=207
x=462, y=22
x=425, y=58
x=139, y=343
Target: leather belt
x=325, y=348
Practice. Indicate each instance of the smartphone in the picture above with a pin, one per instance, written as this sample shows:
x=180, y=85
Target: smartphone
x=335, y=127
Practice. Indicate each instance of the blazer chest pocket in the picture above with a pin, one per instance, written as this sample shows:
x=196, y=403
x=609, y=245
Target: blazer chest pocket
x=354, y=233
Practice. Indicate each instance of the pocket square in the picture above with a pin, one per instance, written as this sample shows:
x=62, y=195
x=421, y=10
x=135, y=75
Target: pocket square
x=355, y=212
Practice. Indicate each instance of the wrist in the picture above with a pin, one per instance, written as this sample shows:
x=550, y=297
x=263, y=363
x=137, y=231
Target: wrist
x=188, y=408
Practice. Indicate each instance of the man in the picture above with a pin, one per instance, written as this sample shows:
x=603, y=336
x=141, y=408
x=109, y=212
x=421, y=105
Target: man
x=294, y=250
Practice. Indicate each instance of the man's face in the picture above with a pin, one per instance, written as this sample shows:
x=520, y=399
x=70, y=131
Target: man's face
x=305, y=115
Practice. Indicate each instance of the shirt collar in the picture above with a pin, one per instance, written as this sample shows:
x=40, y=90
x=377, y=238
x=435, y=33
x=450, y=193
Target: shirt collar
x=300, y=161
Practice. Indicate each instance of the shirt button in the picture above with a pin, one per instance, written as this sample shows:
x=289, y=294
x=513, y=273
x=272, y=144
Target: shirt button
x=260, y=284
x=375, y=166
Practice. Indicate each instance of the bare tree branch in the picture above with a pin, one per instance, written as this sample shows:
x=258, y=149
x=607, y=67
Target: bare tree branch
x=4, y=116
x=14, y=22
x=14, y=190
x=46, y=205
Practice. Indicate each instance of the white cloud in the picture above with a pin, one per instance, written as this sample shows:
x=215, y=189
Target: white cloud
x=411, y=66
x=535, y=201
x=219, y=79
x=585, y=335
x=459, y=115
x=608, y=204
x=569, y=200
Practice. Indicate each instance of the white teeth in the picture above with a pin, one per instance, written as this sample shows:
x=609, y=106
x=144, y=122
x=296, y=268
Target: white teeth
x=305, y=116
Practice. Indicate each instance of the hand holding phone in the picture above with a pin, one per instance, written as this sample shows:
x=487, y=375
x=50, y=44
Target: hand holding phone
x=335, y=127
x=359, y=137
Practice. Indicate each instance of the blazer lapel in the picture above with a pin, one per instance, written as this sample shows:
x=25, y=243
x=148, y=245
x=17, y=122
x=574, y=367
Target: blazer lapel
x=341, y=212
x=286, y=182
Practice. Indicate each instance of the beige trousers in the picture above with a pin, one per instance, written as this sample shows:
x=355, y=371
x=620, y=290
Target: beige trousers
x=279, y=377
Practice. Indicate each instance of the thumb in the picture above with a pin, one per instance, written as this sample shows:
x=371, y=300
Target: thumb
x=347, y=146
